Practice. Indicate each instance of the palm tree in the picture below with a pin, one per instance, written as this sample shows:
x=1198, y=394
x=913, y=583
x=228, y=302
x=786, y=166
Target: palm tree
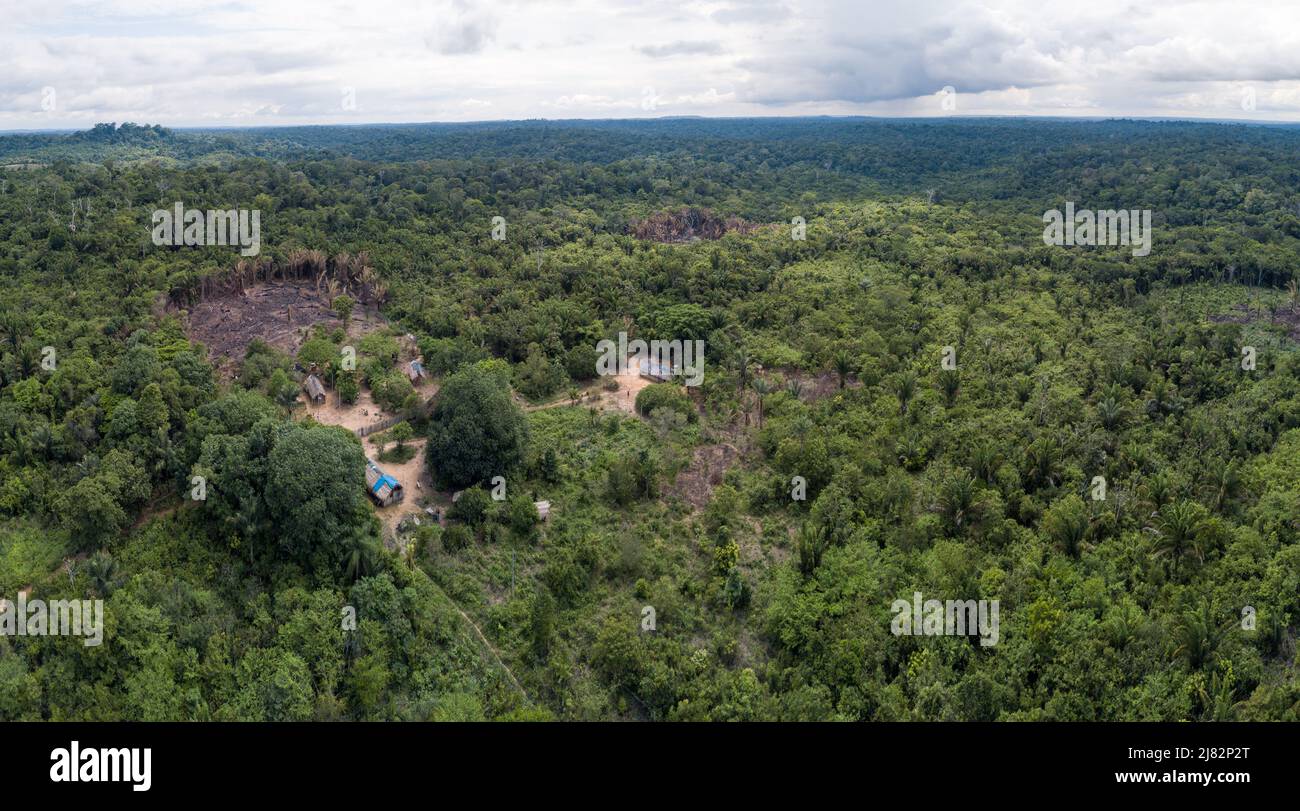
x=1163, y=398
x=1218, y=698
x=1023, y=388
x=761, y=388
x=102, y=571
x=43, y=439
x=14, y=327
x=1180, y=533
x=960, y=502
x=1110, y=412
x=361, y=556
x=741, y=363
x=1197, y=635
x=1157, y=491
x=844, y=365
x=904, y=386
x=810, y=543
x=366, y=280
x=379, y=292
x=1042, y=462
x=1226, y=479
x=950, y=383
x=1067, y=524
x=986, y=460
x=1123, y=624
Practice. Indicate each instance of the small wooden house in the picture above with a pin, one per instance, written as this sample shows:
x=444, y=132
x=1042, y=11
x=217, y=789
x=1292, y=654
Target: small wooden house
x=543, y=509
x=384, y=489
x=415, y=372
x=315, y=390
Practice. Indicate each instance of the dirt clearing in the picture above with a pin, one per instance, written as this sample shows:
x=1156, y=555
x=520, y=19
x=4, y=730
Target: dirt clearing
x=281, y=314
x=594, y=395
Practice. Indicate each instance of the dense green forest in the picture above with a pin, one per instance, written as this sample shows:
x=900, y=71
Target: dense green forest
x=1176, y=596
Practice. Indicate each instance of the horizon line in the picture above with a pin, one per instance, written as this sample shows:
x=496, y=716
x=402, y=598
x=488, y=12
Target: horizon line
x=652, y=119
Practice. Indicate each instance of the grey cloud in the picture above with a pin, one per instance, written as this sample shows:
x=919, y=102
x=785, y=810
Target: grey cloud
x=467, y=35
x=682, y=48
x=849, y=51
x=897, y=50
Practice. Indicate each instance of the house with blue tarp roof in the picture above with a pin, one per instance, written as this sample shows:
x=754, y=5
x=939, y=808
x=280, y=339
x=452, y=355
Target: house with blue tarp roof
x=384, y=489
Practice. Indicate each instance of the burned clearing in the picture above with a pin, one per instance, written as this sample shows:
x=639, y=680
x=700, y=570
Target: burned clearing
x=1288, y=317
x=688, y=224
x=279, y=314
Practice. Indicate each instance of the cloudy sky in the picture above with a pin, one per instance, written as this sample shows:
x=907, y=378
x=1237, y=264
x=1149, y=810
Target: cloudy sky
x=68, y=63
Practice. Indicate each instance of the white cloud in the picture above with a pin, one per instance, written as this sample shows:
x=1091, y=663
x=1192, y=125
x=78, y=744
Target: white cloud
x=184, y=62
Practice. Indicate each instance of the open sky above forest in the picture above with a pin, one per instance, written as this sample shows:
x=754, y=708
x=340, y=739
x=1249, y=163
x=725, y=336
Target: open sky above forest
x=69, y=63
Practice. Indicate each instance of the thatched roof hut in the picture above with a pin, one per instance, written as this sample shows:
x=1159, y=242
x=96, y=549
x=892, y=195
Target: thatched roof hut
x=315, y=390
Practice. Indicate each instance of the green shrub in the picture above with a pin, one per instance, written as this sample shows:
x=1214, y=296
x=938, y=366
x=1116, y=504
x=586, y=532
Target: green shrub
x=664, y=395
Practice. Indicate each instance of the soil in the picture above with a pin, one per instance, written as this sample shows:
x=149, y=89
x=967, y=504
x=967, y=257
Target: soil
x=415, y=481
x=1288, y=317
x=594, y=395
x=365, y=411
x=630, y=383
x=695, y=484
x=411, y=474
x=281, y=314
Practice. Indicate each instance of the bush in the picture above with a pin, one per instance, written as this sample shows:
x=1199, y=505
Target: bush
x=260, y=362
x=347, y=387
x=455, y=538
x=632, y=477
x=382, y=348
x=521, y=513
x=426, y=535
x=538, y=376
x=281, y=388
x=664, y=395
x=580, y=362
x=442, y=356
x=317, y=352
x=401, y=433
x=398, y=454
x=391, y=390
x=471, y=507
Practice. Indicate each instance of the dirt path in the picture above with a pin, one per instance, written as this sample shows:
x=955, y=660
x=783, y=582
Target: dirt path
x=491, y=648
